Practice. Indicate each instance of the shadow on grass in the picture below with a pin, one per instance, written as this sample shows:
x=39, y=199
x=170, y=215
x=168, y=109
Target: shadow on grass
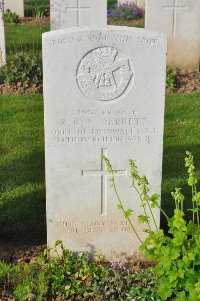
x=22, y=200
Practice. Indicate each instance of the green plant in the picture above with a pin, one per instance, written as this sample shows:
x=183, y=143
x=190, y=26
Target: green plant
x=120, y=282
x=24, y=279
x=8, y=274
x=170, y=78
x=32, y=6
x=177, y=255
x=80, y=278
x=31, y=281
x=70, y=275
x=39, y=13
x=24, y=69
x=11, y=18
x=21, y=292
x=148, y=293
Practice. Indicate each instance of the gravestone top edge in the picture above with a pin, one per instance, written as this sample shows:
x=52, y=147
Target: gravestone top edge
x=147, y=32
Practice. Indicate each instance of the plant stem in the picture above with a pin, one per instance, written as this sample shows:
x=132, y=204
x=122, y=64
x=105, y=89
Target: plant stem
x=119, y=199
x=197, y=206
x=145, y=212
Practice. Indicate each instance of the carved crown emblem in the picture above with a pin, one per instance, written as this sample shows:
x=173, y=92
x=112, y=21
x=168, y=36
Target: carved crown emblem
x=105, y=54
x=104, y=74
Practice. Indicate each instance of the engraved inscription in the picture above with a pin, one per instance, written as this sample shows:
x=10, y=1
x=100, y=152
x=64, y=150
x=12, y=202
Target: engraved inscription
x=104, y=74
x=93, y=226
x=174, y=7
x=104, y=37
x=115, y=126
x=104, y=179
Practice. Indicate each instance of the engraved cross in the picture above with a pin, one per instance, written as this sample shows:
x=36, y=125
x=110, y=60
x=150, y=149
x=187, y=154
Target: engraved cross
x=174, y=7
x=78, y=8
x=104, y=179
x=60, y=7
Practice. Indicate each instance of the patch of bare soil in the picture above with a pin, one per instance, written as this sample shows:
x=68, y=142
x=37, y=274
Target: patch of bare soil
x=137, y=22
x=17, y=88
x=20, y=254
x=188, y=82
x=34, y=21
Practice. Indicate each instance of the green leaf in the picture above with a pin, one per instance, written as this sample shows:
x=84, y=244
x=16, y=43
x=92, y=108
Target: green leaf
x=119, y=206
x=192, y=181
x=128, y=213
x=155, y=197
x=143, y=219
x=67, y=287
x=173, y=276
x=57, y=243
x=165, y=290
x=181, y=297
x=196, y=198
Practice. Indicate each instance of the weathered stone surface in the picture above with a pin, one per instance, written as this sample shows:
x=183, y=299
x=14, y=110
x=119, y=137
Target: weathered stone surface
x=104, y=95
x=2, y=36
x=16, y=6
x=180, y=20
x=72, y=13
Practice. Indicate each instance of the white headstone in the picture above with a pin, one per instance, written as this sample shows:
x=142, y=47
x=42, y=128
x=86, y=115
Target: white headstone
x=139, y=3
x=16, y=6
x=180, y=20
x=73, y=13
x=104, y=95
x=2, y=36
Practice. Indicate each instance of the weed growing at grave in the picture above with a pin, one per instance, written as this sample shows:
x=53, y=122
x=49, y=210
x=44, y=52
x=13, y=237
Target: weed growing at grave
x=24, y=280
x=177, y=255
x=11, y=18
x=170, y=78
x=125, y=11
x=33, y=7
x=69, y=275
x=39, y=13
x=23, y=69
x=8, y=274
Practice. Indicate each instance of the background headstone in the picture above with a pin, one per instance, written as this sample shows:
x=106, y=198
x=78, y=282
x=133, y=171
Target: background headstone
x=2, y=36
x=180, y=20
x=139, y=3
x=16, y=6
x=104, y=95
x=73, y=13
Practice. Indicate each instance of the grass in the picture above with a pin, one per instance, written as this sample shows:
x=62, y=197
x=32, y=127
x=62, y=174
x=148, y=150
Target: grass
x=111, y=3
x=33, y=6
x=22, y=177
x=24, y=38
x=22, y=198
x=182, y=132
